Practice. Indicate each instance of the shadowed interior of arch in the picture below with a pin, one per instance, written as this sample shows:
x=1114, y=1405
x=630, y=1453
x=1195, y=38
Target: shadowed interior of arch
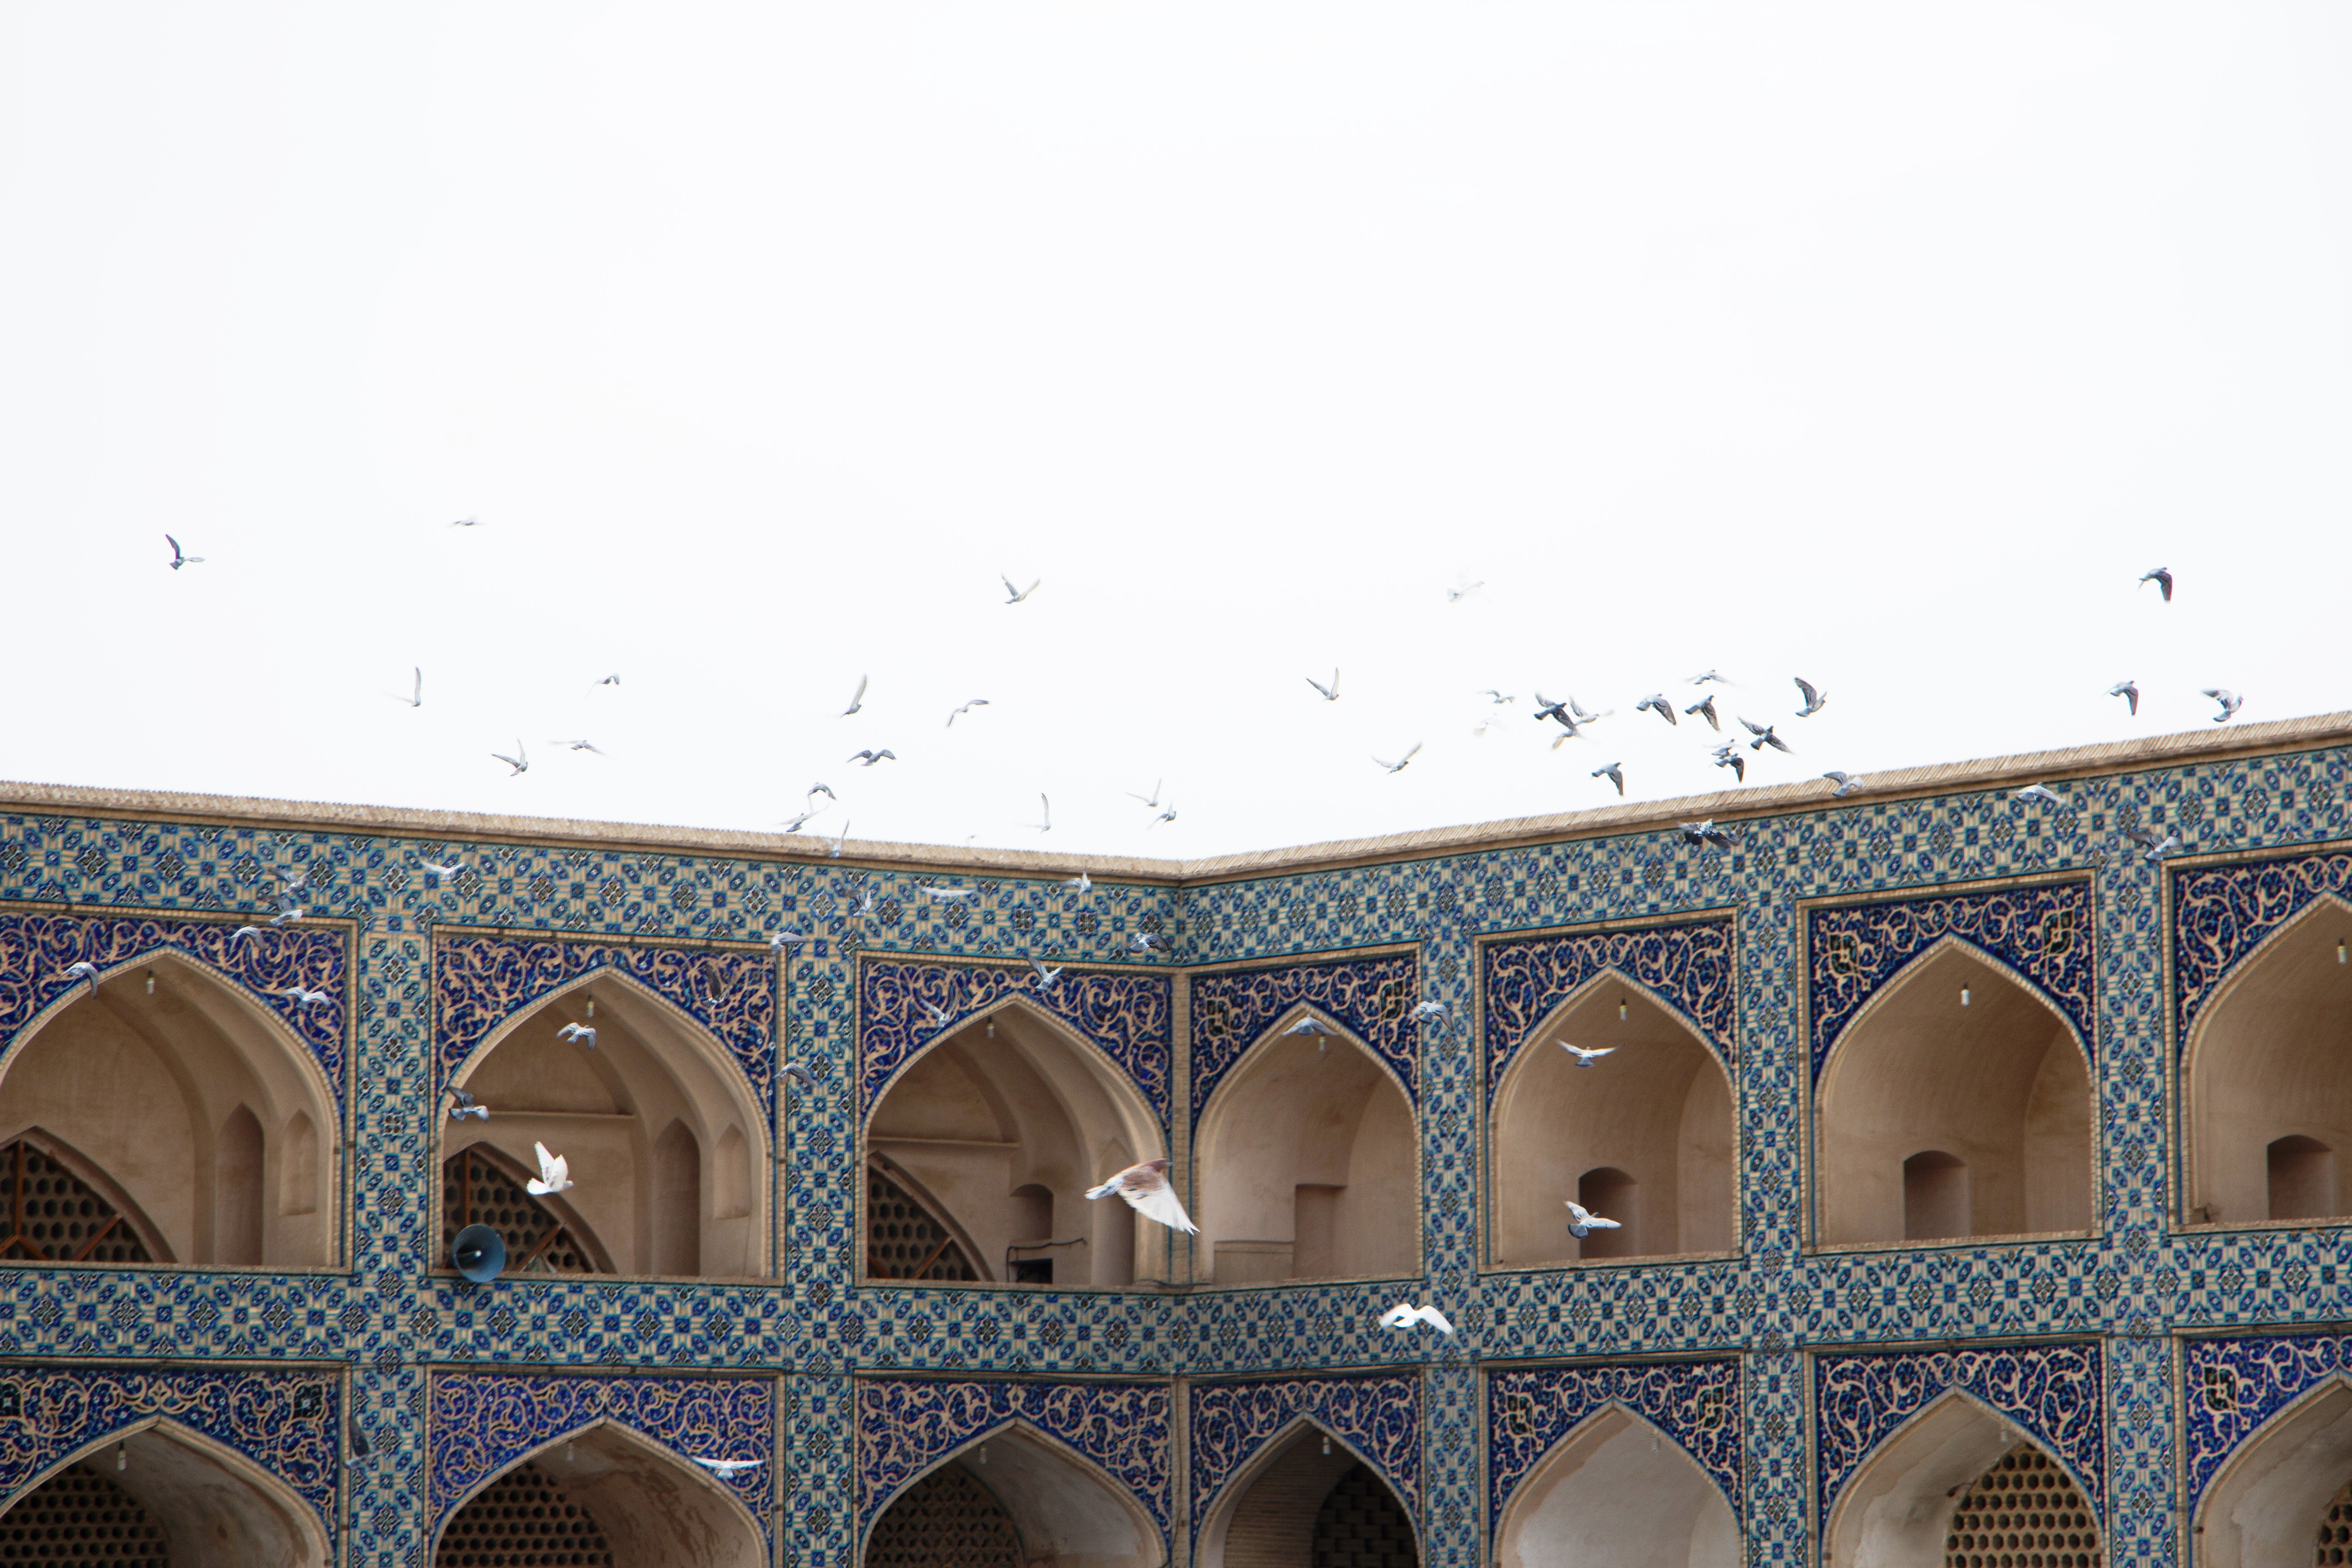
x=2283, y=1487
x=665, y=1143
x=1958, y=1104
x=1011, y=1499
x=998, y=1129
x=1647, y=1129
x=185, y=1102
x=179, y=1498
x=1617, y=1490
x=1961, y=1477
x=1306, y=1500
x=604, y=1496
x=1305, y=1166
x=2268, y=1080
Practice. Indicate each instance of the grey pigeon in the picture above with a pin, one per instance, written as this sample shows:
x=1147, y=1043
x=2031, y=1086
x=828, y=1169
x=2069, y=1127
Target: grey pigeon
x=1706, y=832
x=2162, y=578
x=179, y=560
x=1655, y=702
x=1764, y=737
x=1614, y=773
x=806, y=1078
x=1705, y=711
x=1735, y=761
x=1814, y=697
x=869, y=757
x=1846, y=784
x=2129, y=691
x=2229, y=700
x=467, y=1106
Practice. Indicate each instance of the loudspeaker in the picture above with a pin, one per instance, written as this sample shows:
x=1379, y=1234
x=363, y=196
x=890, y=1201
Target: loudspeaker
x=480, y=1253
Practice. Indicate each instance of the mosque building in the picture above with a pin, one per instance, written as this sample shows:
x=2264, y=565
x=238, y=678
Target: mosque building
x=1976, y=1156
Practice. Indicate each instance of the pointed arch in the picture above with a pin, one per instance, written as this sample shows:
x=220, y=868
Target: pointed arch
x=218, y=1508
x=1898, y=1506
x=143, y=1075
x=1663, y=1109
x=1616, y=1487
x=42, y=1216
x=1063, y=1504
x=2265, y=1063
x=654, y=1505
x=1011, y=1101
x=1960, y=1055
x=1265, y=1509
x=910, y=1234
x=481, y=1184
x=1307, y=1162
x=606, y=1109
x=2263, y=1507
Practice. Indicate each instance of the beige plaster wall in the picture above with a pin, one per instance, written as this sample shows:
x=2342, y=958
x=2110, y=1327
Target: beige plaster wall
x=1267, y=1518
x=1616, y=1491
x=656, y=1510
x=1895, y=1510
x=1067, y=1514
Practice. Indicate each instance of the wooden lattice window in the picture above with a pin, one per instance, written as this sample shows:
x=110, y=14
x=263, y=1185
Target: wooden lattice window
x=80, y=1517
x=947, y=1520
x=2335, y=1547
x=2024, y=1512
x=520, y=1520
x=53, y=1217
x=477, y=1190
x=905, y=1238
x=1361, y=1525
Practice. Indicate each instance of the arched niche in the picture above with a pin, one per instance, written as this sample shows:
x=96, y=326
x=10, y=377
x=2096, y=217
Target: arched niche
x=185, y=1094
x=1998, y=1082
x=1306, y=1165
x=217, y=1509
x=1659, y=1109
x=1898, y=1510
x=2264, y=1507
x=1003, y=1123
x=1063, y=1508
x=652, y=1508
x=2271, y=1061
x=645, y=1120
x=1266, y=1516
x=481, y=1184
x=1616, y=1490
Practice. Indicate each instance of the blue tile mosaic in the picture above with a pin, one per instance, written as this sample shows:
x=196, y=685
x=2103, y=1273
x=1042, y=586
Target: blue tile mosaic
x=2222, y=913
x=1530, y=1410
x=1374, y=999
x=2234, y=1388
x=1687, y=967
x=1379, y=1419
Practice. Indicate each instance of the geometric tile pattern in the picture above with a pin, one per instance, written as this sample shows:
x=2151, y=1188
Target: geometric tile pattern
x=2236, y=1385
x=1689, y=967
x=1696, y=1403
x=1378, y=1418
x=2041, y=933
x=2220, y=913
x=906, y=1425
x=1372, y=997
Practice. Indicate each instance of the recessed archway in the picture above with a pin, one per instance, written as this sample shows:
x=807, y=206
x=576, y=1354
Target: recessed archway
x=2267, y=1507
x=1305, y=1166
x=667, y=1145
x=1618, y=1491
x=1016, y=1481
x=210, y=1506
x=1653, y=1120
x=1956, y=1466
x=996, y=1129
x=1276, y=1511
x=180, y=1099
x=1957, y=1104
x=2267, y=1079
x=617, y=1490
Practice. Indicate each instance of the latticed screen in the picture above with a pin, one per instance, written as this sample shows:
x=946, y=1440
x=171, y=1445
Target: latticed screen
x=476, y=1191
x=520, y=1520
x=2024, y=1512
x=80, y=1519
x=2336, y=1531
x=54, y=1217
x=903, y=1241
x=947, y=1520
x=1361, y=1525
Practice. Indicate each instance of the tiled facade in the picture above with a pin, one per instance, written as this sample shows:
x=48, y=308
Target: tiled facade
x=2141, y=1356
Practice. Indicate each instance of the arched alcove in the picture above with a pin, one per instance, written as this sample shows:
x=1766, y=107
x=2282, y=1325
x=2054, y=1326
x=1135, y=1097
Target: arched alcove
x=1272, y=1511
x=2271, y=1061
x=999, y=1128
x=1658, y=1110
x=483, y=1185
x=649, y=1507
x=1058, y=1507
x=656, y=1120
x=213, y=1506
x=1617, y=1490
x=1956, y=1464
x=1305, y=1166
x=2266, y=1508
x=177, y=1089
x=1997, y=1085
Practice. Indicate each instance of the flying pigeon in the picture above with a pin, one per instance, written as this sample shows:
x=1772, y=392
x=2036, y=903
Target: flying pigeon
x=579, y=746
x=1310, y=1025
x=1585, y=1058
x=940, y=1016
x=1702, y=679
x=834, y=853
x=1656, y=702
x=1398, y=766
x=466, y=1106
x=1614, y=773
x=1735, y=761
x=289, y=907
x=610, y=680
x=1082, y=882
x=178, y=560
x=975, y=703
x=1764, y=737
x=465, y=523
x=1404, y=1315
x=520, y=761
x=2162, y=578
x=1430, y=1010
x=2040, y=792
x=1046, y=807
x=1546, y=708
x=2129, y=691
x=415, y=698
x=729, y=1468
x=1145, y=1187
x=243, y=932
x=2229, y=700
x=1815, y=699
x=825, y=790
x=783, y=937
x=1846, y=784
x=943, y=895
x=1046, y=978
x=2152, y=847
x=1498, y=697
x=554, y=1174
x=306, y=998
x=869, y=757
x=1014, y=596
x=1583, y=1222
x=1142, y=941
x=1331, y=693
x=1167, y=815
x=1706, y=832
x=451, y=870
x=85, y=971
x=857, y=700
x=807, y=1078
x=1151, y=800
x=1455, y=595
x=1705, y=711
x=794, y=824
x=580, y=1032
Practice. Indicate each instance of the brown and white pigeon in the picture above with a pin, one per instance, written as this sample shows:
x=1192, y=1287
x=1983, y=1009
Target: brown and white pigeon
x=1145, y=1187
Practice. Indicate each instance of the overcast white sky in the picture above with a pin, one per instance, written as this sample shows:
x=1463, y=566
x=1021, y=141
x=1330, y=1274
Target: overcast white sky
x=1884, y=345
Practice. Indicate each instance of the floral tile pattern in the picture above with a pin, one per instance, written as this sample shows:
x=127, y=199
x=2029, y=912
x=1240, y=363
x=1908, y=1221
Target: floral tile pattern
x=1378, y=1418
x=1372, y=998
x=1688, y=966
x=1529, y=1410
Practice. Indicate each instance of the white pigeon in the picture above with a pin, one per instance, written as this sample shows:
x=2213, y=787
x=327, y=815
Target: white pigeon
x=2042, y=793
x=2229, y=700
x=85, y=971
x=1331, y=693
x=1430, y=1010
x=785, y=937
x=243, y=932
x=1398, y=766
x=520, y=761
x=1047, y=807
x=1404, y=1315
x=415, y=698
x=1582, y=1222
x=857, y=700
x=451, y=870
x=975, y=703
x=1145, y=1187
x=1585, y=1058
x=940, y=1016
x=307, y=998
x=1082, y=882
x=554, y=1174
x=1046, y=978
x=730, y=1467
x=1310, y=1025
x=580, y=1032
x=1014, y=596
x=942, y=895
x=834, y=853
